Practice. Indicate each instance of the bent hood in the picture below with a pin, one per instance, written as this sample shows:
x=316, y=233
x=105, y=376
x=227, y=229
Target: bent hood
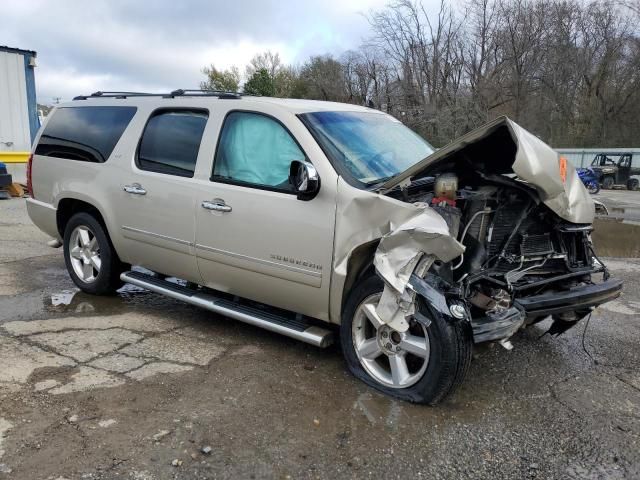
x=534, y=162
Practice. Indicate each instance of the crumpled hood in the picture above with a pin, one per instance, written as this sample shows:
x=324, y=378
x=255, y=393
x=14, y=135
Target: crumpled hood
x=535, y=162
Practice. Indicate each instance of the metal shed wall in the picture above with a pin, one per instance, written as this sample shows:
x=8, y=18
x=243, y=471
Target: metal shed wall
x=18, y=109
x=582, y=157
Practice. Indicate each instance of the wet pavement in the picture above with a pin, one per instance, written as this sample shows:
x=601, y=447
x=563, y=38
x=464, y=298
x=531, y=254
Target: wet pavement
x=617, y=234
x=621, y=203
x=137, y=385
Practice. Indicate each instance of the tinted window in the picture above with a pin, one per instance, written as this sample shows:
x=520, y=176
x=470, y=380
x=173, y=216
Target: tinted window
x=171, y=141
x=87, y=134
x=257, y=150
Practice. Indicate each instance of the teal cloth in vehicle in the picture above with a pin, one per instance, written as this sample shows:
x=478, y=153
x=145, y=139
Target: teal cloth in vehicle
x=256, y=149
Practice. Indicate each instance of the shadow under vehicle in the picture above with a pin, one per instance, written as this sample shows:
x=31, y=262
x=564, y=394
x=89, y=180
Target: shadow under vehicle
x=617, y=170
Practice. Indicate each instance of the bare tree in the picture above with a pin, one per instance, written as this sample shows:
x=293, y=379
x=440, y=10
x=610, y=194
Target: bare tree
x=567, y=70
x=268, y=61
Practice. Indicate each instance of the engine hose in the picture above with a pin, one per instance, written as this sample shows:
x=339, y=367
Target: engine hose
x=464, y=233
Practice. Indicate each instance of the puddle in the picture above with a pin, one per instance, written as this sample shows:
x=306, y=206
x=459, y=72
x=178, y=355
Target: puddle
x=382, y=411
x=615, y=237
x=76, y=301
x=64, y=297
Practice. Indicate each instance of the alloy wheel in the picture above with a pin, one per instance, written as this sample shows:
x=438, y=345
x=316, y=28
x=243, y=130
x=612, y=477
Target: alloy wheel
x=395, y=359
x=84, y=253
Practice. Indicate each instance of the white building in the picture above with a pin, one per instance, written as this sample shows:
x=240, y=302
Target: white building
x=19, y=120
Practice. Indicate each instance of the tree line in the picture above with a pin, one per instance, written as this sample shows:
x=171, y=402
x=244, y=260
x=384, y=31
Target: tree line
x=567, y=70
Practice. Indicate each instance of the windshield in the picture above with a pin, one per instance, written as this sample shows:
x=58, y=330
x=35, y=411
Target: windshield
x=371, y=147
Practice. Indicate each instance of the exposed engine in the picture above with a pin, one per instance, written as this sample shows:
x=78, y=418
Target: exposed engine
x=515, y=247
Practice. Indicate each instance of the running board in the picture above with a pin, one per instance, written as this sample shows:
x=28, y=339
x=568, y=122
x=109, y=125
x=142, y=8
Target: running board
x=297, y=328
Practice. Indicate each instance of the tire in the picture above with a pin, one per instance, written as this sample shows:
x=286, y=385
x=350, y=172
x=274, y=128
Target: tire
x=633, y=184
x=449, y=348
x=608, y=183
x=593, y=188
x=81, y=251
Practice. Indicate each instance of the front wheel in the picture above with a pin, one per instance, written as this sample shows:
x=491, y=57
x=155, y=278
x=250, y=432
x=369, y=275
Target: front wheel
x=608, y=183
x=633, y=184
x=422, y=365
x=91, y=260
x=593, y=187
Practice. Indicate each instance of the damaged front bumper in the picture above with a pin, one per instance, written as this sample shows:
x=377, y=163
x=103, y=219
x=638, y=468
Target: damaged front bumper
x=494, y=326
x=575, y=298
x=501, y=325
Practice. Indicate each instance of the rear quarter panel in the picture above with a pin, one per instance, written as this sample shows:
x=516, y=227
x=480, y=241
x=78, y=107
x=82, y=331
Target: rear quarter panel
x=55, y=179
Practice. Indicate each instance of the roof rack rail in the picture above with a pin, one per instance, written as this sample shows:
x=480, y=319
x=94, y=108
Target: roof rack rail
x=115, y=95
x=181, y=92
x=175, y=93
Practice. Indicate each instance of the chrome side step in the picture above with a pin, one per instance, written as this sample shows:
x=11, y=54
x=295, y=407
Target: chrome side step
x=296, y=328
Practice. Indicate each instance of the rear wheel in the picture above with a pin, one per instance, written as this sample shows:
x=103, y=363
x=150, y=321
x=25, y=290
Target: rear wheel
x=608, y=183
x=593, y=187
x=423, y=365
x=90, y=257
x=633, y=184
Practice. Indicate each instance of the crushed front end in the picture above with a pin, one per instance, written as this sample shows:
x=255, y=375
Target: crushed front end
x=523, y=263
x=526, y=234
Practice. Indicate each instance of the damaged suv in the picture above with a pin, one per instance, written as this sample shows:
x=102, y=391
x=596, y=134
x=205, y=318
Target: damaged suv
x=298, y=215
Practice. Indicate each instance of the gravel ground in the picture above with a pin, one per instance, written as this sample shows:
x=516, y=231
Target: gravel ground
x=143, y=387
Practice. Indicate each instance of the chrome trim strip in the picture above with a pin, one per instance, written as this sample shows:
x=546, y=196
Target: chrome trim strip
x=259, y=260
x=313, y=335
x=157, y=235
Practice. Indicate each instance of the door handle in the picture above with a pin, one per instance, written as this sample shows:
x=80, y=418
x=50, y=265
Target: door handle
x=216, y=204
x=135, y=188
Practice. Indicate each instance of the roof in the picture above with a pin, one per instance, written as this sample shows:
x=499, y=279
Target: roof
x=4, y=48
x=290, y=104
x=302, y=106
x=608, y=152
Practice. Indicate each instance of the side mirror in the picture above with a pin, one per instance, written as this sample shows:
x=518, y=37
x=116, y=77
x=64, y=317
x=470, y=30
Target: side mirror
x=305, y=179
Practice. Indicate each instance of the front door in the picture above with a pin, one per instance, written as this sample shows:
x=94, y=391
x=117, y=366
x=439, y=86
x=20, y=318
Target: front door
x=156, y=196
x=254, y=238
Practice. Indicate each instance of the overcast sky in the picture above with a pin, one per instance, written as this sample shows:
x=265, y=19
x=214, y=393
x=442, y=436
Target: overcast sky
x=90, y=45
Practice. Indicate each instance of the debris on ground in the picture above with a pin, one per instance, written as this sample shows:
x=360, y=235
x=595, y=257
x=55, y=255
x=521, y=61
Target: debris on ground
x=106, y=423
x=160, y=435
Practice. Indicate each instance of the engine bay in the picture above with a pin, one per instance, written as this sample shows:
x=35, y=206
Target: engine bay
x=515, y=247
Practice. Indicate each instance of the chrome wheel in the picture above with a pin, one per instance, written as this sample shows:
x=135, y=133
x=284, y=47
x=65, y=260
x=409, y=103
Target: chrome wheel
x=84, y=253
x=395, y=359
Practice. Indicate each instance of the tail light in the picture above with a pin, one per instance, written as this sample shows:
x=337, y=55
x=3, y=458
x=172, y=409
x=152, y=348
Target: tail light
x=29, y=176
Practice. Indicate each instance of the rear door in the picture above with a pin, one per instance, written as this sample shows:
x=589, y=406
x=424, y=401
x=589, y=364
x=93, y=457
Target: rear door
x=624, y=169
x=254, y=238
x=156, y=198
x=635, y=164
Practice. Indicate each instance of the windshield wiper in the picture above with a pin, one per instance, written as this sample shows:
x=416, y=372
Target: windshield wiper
x=379, y=181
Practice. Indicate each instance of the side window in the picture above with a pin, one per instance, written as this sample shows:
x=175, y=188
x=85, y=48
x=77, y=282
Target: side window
x=257, y=150
x=86, y=134
x=170, y=142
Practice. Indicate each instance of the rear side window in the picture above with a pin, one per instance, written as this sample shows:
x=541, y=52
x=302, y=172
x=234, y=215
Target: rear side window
x=87, y=134
x=171, y=141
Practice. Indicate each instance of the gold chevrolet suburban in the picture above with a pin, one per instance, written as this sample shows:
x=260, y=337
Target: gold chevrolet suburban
x=318, y=219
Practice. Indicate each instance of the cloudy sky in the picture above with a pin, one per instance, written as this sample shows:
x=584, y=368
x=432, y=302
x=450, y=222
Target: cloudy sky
x=90, y=45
